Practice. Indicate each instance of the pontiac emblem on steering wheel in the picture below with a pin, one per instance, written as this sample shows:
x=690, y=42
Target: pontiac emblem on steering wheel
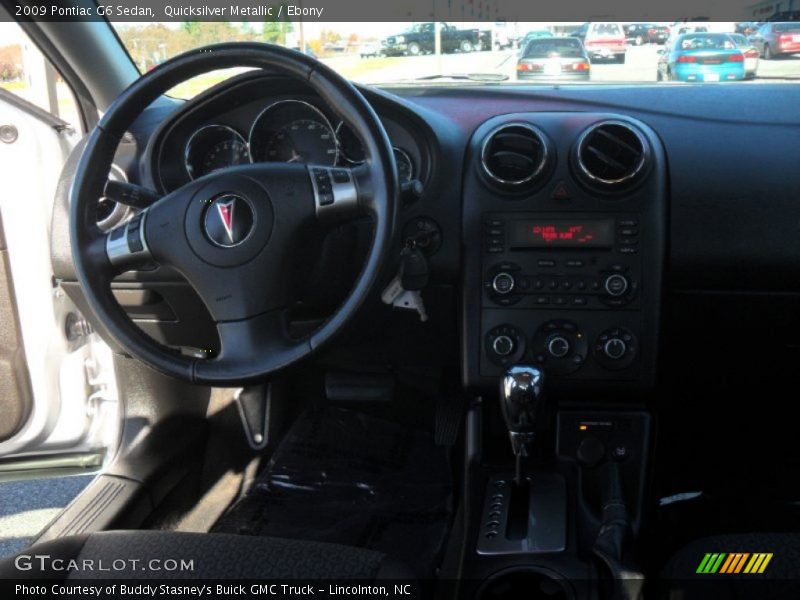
x=229, y=220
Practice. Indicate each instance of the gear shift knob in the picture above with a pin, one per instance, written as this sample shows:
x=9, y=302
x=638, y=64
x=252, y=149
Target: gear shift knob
x=521, y=391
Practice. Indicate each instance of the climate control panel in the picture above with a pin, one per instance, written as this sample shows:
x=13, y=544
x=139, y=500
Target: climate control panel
x=562, y=347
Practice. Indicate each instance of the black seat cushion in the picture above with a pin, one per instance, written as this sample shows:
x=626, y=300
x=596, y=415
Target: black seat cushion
x=781, y=578
x=214, y=556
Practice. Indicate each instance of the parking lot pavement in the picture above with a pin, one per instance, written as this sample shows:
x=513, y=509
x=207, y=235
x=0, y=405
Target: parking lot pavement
x=641, y=65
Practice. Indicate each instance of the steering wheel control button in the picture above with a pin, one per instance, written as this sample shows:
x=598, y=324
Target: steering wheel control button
x=334, y=190
x=229, y=220
x=126, y=245
x=504, y=345
x=615, y=348
x=503, y=283
x=560, y=347
x=616, y=285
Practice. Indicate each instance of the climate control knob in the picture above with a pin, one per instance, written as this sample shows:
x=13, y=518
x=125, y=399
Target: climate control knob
x=558, y=346
x=503, y=345
x=503, y=283
x=615, y=348
x=616, y=285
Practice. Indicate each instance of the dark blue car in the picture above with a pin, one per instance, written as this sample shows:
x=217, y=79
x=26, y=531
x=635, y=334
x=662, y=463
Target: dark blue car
x=702, y=57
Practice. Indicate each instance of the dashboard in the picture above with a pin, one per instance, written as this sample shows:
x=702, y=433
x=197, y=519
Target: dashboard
x=539, y=257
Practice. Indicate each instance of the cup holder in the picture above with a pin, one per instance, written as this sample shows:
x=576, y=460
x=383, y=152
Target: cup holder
x=524, y=582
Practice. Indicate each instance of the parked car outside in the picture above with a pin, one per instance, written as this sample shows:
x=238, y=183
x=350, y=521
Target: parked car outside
x=702, y=57
x=777, y=40
x=750, y=52
x=369, y=50
x=605, y=41
x=645, y=33
x=554, y=58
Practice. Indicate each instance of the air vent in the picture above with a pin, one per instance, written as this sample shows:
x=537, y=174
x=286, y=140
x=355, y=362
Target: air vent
x=612, y=154
x=514, y=155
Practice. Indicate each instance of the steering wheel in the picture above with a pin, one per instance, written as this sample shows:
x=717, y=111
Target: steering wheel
x=233, y=234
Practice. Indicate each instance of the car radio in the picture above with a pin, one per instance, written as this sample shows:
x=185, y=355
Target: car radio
x=561, y=261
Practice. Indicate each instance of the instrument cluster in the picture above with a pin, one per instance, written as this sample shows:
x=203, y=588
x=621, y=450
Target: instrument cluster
x=286, y=130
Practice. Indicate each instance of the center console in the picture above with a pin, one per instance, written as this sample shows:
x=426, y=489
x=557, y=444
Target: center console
x=564, y=242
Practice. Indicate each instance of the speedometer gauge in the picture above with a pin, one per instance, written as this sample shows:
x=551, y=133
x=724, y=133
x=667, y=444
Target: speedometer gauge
x=303, y=140
x=293, y=131
x=215, y=147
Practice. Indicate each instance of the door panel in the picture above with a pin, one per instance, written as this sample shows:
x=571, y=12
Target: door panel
x=15, y=387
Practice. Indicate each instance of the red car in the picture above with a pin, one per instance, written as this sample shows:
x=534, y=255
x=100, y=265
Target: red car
x=776, y=40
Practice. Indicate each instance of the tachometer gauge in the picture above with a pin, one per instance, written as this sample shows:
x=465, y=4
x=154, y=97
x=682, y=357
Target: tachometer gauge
x=405, y=167
x=215, y=147
x=293, y=131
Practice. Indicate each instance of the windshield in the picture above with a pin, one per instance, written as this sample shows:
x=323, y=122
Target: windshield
x=427, y=53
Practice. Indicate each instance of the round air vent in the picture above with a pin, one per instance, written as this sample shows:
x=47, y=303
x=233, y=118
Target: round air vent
x=612, y=154
x=110, y=213
x=515, y=155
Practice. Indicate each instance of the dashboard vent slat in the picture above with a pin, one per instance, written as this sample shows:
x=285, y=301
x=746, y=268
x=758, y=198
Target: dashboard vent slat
x=514, y=155
x=611, y=154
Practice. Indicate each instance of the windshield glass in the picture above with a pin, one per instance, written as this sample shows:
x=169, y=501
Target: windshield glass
x=428, y=53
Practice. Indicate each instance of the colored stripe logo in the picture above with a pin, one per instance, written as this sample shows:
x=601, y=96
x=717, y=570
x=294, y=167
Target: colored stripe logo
x=734, y=562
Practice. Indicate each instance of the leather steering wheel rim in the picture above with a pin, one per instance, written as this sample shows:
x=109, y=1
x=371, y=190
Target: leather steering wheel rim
x=253, y=349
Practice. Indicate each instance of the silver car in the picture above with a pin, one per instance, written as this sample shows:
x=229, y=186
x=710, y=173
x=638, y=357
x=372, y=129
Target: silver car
x=554, y=58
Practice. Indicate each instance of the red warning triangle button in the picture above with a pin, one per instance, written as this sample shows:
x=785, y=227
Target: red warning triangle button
x=561, y=192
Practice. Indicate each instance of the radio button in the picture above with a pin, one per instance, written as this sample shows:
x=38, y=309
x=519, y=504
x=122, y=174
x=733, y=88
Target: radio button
x=616, y=285
x=503, y=283
x=546, y=263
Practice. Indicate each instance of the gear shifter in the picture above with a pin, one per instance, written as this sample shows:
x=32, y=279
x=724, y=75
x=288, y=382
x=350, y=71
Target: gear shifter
x=521, y=391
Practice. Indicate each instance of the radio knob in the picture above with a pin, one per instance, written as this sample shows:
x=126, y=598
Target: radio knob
x=615, y=348
x=558, y=346
x=503, y=283
x=503, y=345
x=616, y=285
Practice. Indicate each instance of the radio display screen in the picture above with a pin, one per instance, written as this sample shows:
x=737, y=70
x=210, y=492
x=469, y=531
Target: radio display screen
x=561, y=233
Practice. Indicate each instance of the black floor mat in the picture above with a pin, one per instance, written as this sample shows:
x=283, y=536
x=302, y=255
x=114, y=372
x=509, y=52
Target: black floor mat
x=346, y=477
